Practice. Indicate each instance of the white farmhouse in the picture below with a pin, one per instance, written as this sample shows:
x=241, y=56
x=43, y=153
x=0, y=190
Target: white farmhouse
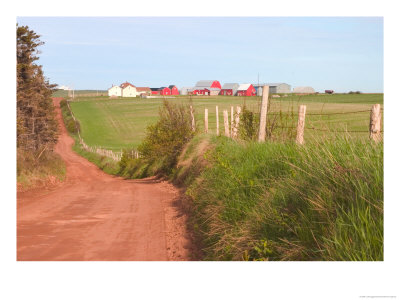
x=115, y=91
x=128, y=90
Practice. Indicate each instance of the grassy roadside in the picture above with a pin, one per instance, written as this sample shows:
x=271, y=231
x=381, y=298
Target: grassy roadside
x=279, y=201
x=38, y=169
x=104, y=163
x=269, y=201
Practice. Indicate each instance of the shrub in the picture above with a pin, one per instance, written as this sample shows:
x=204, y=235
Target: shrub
x=279, y=125
x=249, y=123
x=165, y=140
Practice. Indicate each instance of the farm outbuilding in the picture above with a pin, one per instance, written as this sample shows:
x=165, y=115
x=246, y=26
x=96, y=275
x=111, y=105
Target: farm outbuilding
x=229, y=89
x=246, y=89
x=115, y=91
x=274, y=88
x=161, y=91
x=303, y=90
x=206, y=87
x=143, y=90
x=155, y=91
x=185, y=90
x=174, y=90
x=165, y=91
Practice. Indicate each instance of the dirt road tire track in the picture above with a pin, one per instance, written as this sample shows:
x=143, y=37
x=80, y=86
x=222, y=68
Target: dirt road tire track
x=96, y=216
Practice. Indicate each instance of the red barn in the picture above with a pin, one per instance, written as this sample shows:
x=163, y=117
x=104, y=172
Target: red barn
x=174, y=90
x=246, y=89
x=165, y=91
x=207, y=87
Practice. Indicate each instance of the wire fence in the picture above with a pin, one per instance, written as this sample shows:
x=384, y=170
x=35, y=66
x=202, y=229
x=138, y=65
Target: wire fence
x=274, y=123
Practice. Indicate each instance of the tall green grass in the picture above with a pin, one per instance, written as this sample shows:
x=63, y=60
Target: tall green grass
x=280, y=201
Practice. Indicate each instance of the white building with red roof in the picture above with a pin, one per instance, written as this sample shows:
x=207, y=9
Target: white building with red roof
x=115, y=91
x=128, y=90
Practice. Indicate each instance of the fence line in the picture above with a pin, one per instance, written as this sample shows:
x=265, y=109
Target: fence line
x=374, y=130
x=338, y=113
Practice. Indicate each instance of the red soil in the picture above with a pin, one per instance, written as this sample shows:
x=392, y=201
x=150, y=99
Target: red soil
x=96, y=216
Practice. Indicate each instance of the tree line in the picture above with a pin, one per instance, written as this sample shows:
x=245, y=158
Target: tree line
x=37, y=127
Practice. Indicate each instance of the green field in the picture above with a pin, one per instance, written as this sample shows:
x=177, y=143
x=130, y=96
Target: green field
x=77, y=93
x=121, y=123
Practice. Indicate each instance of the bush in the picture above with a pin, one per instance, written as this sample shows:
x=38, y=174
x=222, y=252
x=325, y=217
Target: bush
x=279, y=125
x=249, y=123
x=165, y=140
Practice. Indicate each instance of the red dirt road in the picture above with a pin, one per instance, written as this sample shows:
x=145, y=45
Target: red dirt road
x=95, y=216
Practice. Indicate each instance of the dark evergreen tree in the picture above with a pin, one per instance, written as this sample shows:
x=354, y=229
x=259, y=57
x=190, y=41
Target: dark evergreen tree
x=37, y=127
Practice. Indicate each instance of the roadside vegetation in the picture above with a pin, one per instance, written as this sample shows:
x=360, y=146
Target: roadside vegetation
x=280, y=201
x=275, y=200
x=37, y=127
x=104, y=163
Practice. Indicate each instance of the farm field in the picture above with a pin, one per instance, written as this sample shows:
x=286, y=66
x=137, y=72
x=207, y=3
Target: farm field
x=64, y=93
x=121, y=123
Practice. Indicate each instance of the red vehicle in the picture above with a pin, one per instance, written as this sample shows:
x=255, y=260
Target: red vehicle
x=329, y=91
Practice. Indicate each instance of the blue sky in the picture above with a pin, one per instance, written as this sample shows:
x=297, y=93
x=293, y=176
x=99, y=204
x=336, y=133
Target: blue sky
x=342, y=54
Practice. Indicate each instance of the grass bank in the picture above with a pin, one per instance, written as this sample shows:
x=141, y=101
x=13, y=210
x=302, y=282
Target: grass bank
x=104, y=163
x=279, y=201
x=39, y=169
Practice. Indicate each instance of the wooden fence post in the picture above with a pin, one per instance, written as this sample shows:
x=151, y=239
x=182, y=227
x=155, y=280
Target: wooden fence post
x=226, y=123
x=206, y=120
x=217, y=118
x=300, y=125
x=192, y=116
x=375, y=123
x=237, y=119
x=263, y=114
x=231, y=120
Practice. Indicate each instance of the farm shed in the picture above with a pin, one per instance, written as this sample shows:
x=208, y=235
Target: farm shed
x=246, y=89
x=185, y=90
x=128, y=90
x=229, y=89
x=115, y=91
x=274, y=88
x=164, y=91
x=174, y=90
x=155, y=91
x=303, y=90
x=143, y=90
